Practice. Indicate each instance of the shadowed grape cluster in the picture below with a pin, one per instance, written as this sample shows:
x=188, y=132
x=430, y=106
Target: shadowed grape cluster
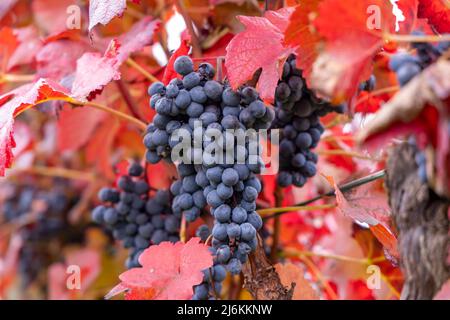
x=407, y=65
x=47, y=210
x=297, y=114
x=138, y=216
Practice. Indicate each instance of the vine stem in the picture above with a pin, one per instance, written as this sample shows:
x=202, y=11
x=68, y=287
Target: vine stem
x=289, y=252
x=196, y=48
x=183, y=229
x=131, y=104
x=276, y=226
x=345, y=187
x=114, y=112
x=14, y=78
x=314, y=269
x=267, y=211
x=413, y=38
x=61, y=173
x=351, y=154
x=140, y=69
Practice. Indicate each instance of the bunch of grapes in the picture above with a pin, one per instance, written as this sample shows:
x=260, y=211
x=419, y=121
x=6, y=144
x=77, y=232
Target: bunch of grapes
x=211, y=110
x=47, y=210
x=135, y=217
x=408, y=65
x=297, y=114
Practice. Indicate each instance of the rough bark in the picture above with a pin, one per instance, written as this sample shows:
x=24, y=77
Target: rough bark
x=422, y=221
x=261, y=279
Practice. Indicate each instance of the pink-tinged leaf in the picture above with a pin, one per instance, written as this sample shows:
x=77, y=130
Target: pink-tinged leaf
x=88, y=261
x=76, y=126
x=17, y=101
x=139, y=36
x=9, y=262
x=371, y=207
x=51, y=15
x=58, y=59
x=280, y=18
x=29, y=45
x=103, y=11
x=22, y=136
x=444, y=293
x=183, y=50
x=169, y=271
x=57, y=288
x=7, y=142
x=5, y=6
x=95, y=71
x=259, y=46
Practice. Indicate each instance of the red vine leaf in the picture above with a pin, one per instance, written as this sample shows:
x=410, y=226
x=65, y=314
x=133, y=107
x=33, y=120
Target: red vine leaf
x=29, y=45
x=371, y=207
x=76, y=126
x=169, y=271
x=139, y=36
x=58, y=59
x=182, y=50
x=301, y=34
x=259, y=46
x=14, y=103
x=437, y=13
x=99, y=149
x=350, y=45
x=95, y=71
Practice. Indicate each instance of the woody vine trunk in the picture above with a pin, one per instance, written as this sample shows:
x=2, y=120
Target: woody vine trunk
x=422, y=221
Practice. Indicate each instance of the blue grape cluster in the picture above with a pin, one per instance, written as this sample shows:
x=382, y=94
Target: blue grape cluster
x=230, y=189
x=50, y=207
x=135, y=217
x=408, y=65
x=298, y=113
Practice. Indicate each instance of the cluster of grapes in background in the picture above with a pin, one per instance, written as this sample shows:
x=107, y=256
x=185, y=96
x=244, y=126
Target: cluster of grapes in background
x=407, y=65
x=297, y=114
x=43, y=212
x=134, y=216
x=231, y=187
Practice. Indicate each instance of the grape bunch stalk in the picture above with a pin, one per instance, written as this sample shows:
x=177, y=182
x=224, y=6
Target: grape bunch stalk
x=228, y=185
x=138, y=216
x=297, y=115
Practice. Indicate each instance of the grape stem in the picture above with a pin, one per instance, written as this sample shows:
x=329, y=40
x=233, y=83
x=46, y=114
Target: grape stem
x=196, y=48
x=345, y=187
x=60, y=173
x=414, y=38
x=14, y=78
x=140, y=69
x=276, y=225
x=114, y=112
x=131, y=104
